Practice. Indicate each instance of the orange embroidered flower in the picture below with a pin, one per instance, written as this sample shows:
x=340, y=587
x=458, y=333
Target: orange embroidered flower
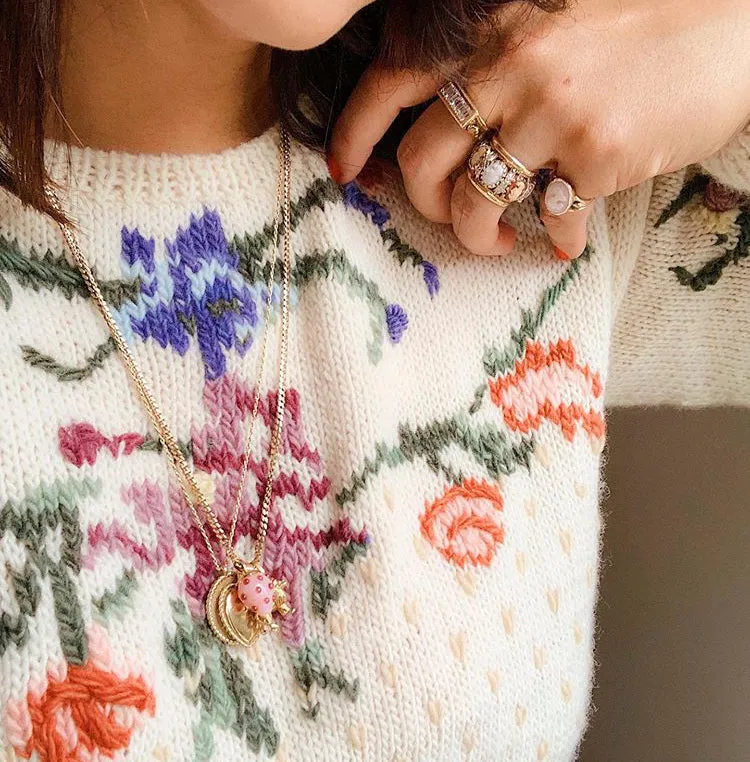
x=549, y=383
x=74, y=717
x=464, y=523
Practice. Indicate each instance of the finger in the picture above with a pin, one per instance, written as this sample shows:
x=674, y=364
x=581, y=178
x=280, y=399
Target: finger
x=476, y=221
x=531, y=141
x=567, y=231
x=429, y=153
x=370, y=110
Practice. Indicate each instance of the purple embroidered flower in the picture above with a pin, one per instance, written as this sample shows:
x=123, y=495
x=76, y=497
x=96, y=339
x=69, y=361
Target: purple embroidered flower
x=397, y=321
x=153, y=315
x=356, y=198
x=197, y=292
x=431, y=278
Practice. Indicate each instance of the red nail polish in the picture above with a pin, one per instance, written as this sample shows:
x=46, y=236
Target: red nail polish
x=333, y=169
x=560, y=254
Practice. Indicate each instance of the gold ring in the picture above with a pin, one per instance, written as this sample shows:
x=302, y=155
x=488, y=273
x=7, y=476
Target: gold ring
x=498, y=175
x=462, y=109
x=509, y=158
x=560, y=198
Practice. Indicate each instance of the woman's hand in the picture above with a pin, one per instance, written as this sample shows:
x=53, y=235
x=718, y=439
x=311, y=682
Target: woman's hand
x=609, y=95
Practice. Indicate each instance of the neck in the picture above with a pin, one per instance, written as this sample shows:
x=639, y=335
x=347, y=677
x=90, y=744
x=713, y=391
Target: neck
x=157, y=78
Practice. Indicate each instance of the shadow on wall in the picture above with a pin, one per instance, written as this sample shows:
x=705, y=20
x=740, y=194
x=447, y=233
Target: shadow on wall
x=673, y=681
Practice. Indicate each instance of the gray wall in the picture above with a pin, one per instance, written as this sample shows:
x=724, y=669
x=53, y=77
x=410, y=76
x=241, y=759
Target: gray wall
x=673, y=676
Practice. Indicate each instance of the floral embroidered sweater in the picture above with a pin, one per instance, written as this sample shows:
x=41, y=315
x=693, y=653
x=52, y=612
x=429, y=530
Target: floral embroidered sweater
x=436, y=515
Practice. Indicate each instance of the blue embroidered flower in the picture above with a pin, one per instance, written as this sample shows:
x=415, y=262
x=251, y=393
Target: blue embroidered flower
x=197, y=291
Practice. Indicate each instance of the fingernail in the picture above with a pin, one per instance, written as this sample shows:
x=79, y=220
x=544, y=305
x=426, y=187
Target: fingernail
x=560, y=254
x=334, y=169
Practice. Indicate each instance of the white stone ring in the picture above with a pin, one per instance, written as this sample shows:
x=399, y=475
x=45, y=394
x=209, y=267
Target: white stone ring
x=497, y=174
x=560, y=198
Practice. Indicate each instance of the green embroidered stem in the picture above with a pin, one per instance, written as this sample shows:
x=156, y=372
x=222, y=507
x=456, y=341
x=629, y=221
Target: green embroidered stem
x=333, y=263
x=691, y=189
x=154, y=444
x=65, y=372
x=114, y=602
x=251, y=722
x=484, y=441
x=70, y=625
x=479, y=393
x=251, y=247
x=54, y=272
x=498, y=360
x=710, y=273
x=402, y=251
x=310, y=669
x=324, y=589
x=203, y=739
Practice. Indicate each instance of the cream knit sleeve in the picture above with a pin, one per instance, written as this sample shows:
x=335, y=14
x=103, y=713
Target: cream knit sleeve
x=681, y=248
x=731, y=165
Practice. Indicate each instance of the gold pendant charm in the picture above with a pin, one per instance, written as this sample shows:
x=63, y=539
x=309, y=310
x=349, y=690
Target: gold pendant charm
x=240, y=605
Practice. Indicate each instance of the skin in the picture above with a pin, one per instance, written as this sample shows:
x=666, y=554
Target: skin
x=610, y=94
x=178, y=76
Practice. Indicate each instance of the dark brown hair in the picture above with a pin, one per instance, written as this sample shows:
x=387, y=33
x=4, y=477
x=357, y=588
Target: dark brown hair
x=310, y=87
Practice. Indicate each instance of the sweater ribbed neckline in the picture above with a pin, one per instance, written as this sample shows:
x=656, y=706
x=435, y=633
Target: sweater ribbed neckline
x=122, y=177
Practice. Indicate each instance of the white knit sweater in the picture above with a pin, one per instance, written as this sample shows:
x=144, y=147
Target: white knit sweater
x=436, y=517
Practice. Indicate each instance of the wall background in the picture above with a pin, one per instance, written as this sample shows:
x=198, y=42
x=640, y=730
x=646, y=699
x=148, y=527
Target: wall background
x=673, y=676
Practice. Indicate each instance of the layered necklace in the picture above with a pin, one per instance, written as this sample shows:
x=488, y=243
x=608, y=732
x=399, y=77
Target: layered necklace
x=244, y=601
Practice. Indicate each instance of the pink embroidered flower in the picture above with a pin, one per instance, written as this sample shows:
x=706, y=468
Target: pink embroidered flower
x=464, y=524
x=293, y=545
x=548, y=383
x=720, y=198
x=81, y=442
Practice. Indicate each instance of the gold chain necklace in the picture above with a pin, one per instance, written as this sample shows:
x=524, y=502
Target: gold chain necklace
x=243, y=598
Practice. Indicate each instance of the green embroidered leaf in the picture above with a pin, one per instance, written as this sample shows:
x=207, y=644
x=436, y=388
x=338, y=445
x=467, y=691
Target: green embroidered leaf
x=27, y=593
x=6, y=295
x=26, y=589
x=183, y=650
x=113, y=602
x=224, y=691
x=690, y=189
x=311, y=669
x=203, y=739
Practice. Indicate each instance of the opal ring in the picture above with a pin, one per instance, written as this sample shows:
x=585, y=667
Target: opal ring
x=560, y=198
x=497, y=174
x=461, y=108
